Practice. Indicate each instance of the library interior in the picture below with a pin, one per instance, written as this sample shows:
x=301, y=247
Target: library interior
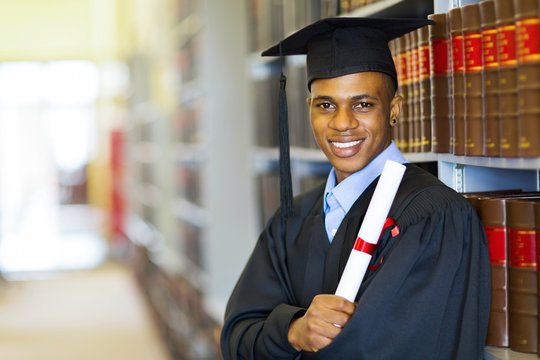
x=130, y=247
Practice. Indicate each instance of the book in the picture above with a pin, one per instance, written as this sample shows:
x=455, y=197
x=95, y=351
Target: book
x=474, y=102
x=528, y=76
x=491, y=78
x=506, y=47
x=403, y=91
x=440, y=86
x=408, y=121
x=457, y=141
x=492, y=212
x=424, y=90
x=523, y=290
x=414, y=105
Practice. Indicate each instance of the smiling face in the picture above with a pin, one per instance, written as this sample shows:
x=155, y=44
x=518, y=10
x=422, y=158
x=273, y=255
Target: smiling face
x=351, y=118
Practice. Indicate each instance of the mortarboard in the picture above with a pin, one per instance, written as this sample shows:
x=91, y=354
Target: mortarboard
x=335, y=47
x=346, y=45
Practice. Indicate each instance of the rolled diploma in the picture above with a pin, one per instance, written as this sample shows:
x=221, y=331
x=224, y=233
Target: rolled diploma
x=371, y=228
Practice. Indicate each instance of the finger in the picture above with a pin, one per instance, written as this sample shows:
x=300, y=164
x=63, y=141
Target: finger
x=345, y=305
x=335, y=302
x=338, y=319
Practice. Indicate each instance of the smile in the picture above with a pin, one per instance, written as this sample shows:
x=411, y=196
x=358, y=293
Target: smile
x=343, y=145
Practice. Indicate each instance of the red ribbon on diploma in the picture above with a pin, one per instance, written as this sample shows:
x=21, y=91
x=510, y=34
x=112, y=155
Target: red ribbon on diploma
x=369, y=248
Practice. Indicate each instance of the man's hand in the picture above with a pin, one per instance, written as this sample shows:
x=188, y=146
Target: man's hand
x=317, y=328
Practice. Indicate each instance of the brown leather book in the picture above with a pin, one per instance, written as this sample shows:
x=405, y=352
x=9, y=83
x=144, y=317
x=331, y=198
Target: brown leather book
x=493, y=215
x=408, y=128
x=403, y=125
x=506, y=40
x=491, y=78
x=424, y=89
x=414, y=107
x=474, y=102
x=440, y=68
x=528, y=72
x=458, y=81
x=523, y=289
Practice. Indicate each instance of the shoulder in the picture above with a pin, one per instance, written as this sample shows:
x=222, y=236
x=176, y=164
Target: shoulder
x=304, y=203
x=421, y=195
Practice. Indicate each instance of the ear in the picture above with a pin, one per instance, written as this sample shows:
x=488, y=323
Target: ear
x=395, y=109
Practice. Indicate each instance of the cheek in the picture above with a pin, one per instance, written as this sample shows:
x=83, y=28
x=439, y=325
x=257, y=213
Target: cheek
x=317, y=125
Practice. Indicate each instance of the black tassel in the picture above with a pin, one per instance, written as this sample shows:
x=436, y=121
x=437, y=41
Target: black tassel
x=284, y=157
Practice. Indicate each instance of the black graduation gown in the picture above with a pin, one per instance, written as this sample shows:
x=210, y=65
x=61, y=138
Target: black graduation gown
x=428, y=299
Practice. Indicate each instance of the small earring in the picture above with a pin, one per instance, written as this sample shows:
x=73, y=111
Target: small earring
x=394, y=121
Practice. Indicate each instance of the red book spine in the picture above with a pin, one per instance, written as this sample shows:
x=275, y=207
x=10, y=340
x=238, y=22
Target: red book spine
x=440, y=84
x=414, y=129
x=491, y=78
x=424, y=89
x=506, y=41
x=474, y=67
x=458, y=77
x=528, y=73
x=492, y=212
x=523, y=278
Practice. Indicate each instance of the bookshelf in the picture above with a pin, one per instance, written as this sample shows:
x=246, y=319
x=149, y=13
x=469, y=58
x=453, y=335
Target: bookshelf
x=191, y=201
x=462, y=173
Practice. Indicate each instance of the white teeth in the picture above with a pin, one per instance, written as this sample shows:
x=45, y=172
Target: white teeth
x=345, y=145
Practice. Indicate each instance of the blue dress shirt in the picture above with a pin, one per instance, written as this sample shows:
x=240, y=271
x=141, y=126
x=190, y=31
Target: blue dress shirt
x=339, y=198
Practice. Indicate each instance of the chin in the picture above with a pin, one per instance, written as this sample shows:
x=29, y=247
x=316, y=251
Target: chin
x=347, y=169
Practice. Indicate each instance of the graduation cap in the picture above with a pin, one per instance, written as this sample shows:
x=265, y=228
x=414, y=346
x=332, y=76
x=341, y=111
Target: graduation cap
x=346, y=45
x=335, y=47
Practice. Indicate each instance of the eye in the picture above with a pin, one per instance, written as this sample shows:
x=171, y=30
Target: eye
x=363, y=105
x=325, y=105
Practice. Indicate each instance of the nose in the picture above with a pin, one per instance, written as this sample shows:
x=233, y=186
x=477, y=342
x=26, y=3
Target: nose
x=343, y=120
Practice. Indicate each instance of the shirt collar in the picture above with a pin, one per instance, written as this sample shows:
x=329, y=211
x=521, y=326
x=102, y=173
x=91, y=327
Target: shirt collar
x=348, y=191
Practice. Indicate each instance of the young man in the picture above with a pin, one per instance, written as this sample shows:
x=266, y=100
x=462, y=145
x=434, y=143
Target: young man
x=426, y=294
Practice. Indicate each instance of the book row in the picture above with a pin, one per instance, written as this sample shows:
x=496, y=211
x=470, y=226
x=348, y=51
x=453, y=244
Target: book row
x=177, y=305
x=471, y=82
x=470, y=85
x=512, y=225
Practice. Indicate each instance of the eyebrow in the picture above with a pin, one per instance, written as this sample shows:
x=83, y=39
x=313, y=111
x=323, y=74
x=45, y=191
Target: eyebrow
x=355, y=97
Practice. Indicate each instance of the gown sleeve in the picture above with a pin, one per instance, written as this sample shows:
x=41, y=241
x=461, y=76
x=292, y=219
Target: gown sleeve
x=258, y=315
x=430, y=298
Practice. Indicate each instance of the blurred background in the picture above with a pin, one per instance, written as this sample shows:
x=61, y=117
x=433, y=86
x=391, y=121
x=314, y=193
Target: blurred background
x=129, y=170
